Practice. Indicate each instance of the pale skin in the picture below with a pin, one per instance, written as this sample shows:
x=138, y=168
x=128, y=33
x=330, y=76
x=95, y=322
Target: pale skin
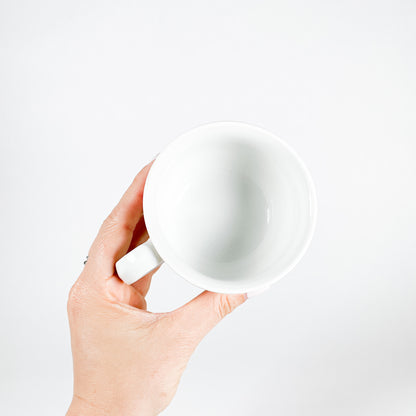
x=128, y=361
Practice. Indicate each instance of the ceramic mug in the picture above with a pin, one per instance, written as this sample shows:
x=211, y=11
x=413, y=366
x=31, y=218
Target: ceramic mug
x=228, y=206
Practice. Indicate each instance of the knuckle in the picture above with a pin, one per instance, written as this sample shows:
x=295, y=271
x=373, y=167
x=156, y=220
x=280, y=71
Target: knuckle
x=111, y=221
x=115, y=222
x=225, y=306
x=75, y=300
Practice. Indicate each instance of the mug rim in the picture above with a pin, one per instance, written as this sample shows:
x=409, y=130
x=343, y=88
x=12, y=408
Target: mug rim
x=182, y=268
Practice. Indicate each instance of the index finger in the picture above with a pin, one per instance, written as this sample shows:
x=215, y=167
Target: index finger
x=116, y=232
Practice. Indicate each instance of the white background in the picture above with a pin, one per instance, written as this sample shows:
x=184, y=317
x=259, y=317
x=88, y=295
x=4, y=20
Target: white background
x=90, y=91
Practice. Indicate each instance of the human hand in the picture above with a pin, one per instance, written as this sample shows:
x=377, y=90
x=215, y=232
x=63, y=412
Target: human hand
x=128, y=361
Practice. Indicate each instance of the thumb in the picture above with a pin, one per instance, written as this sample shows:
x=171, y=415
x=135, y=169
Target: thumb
x=196, y=318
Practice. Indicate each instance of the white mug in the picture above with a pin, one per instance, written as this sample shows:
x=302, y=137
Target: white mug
x=228, y=206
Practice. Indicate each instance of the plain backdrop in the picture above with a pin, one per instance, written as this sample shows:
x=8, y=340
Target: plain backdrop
x=90, y=91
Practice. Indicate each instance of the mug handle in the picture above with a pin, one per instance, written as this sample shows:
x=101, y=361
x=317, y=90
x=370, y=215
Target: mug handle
x=138, y=262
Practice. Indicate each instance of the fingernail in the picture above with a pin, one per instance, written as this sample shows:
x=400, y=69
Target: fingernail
x=154, y=158
x=253, y=293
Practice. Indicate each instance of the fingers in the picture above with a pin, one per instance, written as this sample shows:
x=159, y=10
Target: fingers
x=139, y=237
x=139, y=234
x=125, y=294
x=115, y=235
x=143, y=284
x=202, y=313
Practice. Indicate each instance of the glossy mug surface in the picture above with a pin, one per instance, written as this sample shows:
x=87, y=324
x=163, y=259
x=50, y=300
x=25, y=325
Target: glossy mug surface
x=228, y=206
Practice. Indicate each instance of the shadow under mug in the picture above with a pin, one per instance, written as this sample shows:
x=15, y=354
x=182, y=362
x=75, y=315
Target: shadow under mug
x=228, y=206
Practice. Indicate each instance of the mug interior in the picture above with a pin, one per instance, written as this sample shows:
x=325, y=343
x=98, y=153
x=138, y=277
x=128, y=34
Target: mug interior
x=230, y=207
